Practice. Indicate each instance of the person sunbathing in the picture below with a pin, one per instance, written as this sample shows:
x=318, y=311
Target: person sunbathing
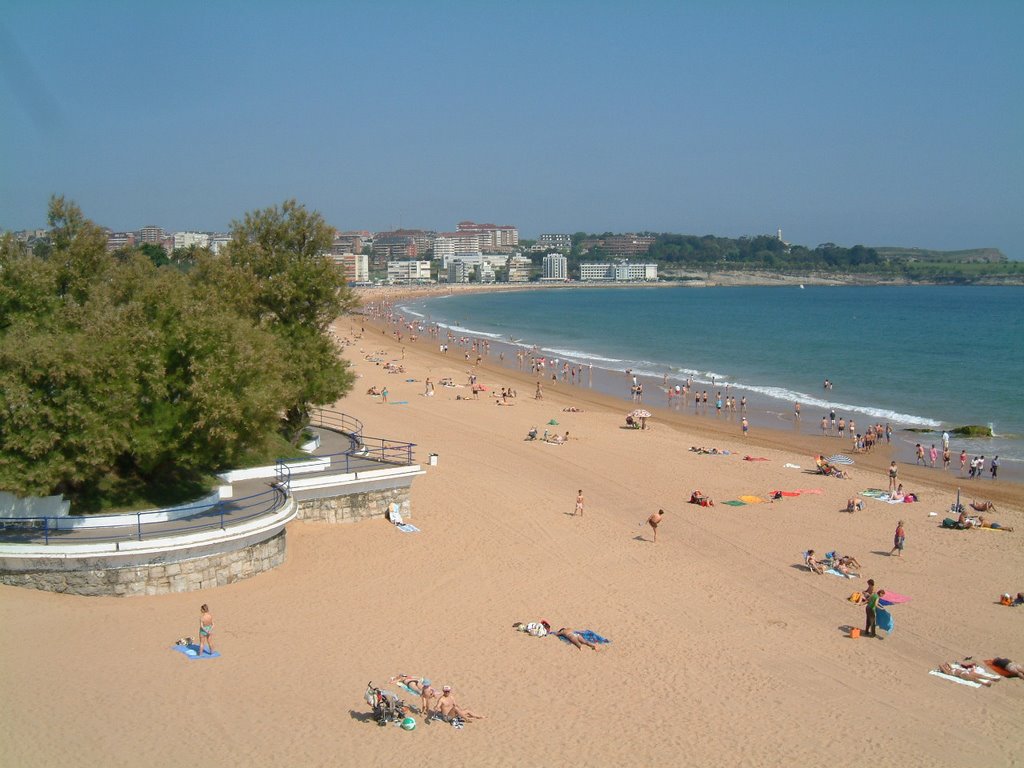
x=850, y=562
x=698, y=497
x=982, y=506
x=450, y=710
x=572, y=409
x=575, y=638
x=1012, y=668
x=532, y=434
x=535, y=628
x=373, y=391
x=812, y=563
x=983, y=523
x=965, y=674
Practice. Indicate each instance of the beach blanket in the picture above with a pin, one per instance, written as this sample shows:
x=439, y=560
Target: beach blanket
x=752, y=499
x=735, y=503
x=399, y=402
x=885, y=621
x=407, y=689
x=834, y=572
x=892, y=598
x=791, y=466
x=790, y=494
x=951, y=678
x=407, y=528
x=816, y=491
x=878, y=495
x=192, y=652
x=998, y=670
x=587, y=634
x=754, y=458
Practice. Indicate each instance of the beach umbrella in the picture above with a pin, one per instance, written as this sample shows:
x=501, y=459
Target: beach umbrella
x=553, y=423
x=839, y=459
x=640, y=413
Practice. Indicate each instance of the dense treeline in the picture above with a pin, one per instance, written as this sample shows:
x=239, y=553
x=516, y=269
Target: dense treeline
x=117, y=373
x=764, y=252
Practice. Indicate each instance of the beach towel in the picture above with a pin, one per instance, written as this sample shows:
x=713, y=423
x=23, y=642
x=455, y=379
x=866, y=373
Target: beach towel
x=816, y=491
x=192, y=652
x=977, y=668
x=791, y=466
x=893, y=598
x=754, y=458
x=834, y=572
x=953, y=679
x=790, y=494
x=407, y=689
x=752, y=499
x=735, y=503
x=407, y=528
x=399, y=402
x=884, y=620
x=874, y=493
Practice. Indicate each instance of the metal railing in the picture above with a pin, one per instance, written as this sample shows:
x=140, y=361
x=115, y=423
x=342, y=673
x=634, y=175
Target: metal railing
x=122, y=527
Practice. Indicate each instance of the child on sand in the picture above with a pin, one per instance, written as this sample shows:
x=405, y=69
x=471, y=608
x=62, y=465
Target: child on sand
x=653, y=521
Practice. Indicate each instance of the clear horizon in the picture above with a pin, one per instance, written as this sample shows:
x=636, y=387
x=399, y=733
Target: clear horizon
x=880, y=125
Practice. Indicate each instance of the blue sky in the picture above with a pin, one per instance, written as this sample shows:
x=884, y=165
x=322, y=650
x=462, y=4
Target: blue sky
x=883, y=123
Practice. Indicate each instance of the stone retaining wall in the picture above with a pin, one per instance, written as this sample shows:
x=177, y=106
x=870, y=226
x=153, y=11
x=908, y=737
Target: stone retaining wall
x=355, y=506
x=187, y=575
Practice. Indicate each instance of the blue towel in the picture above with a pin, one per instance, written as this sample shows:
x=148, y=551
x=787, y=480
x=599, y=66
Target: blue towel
x=192, y=652
x=408, y=528
x=884, y=620
x=407, y=689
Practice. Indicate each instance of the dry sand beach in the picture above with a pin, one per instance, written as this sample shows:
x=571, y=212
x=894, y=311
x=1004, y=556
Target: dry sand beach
x=725, y=651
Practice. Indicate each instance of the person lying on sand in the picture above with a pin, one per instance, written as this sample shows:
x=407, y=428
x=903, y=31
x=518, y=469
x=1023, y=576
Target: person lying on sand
x=536, y=628
x=575, y=638
x=965, y=674
x=373, y=391
x=982, y=506
x=849, y=561
x=699, y=497
x=812, y=563
x=983, y=523
x=1011, y=667
x=572, y=409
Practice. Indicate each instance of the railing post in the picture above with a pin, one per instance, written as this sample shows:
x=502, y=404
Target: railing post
x=222, y=517
x=46, y=530
x=138, y=517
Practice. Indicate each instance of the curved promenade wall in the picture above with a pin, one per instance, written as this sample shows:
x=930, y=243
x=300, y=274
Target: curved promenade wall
x=152, y=567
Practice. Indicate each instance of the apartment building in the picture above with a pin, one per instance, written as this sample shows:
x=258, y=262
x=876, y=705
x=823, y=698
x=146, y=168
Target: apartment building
x=118, y=240
x=356, y=266
x=493, y=237
x=151, y=234
x=555, y=241
x=188, y=239
x=556, y=267
x=621, y=271
x=407, y=270
x=519, y=268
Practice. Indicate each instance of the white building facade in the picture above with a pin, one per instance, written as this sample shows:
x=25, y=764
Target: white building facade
x=621, y=271
x=406, y=271
x=188, y=239
x=556, y=267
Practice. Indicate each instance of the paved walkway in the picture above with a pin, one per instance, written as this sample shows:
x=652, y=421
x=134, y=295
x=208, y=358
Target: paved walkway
x=250, y=498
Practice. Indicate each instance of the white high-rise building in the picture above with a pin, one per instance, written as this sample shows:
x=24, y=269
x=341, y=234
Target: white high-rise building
x=410, y=270
x=188, y=239
x=556, y=267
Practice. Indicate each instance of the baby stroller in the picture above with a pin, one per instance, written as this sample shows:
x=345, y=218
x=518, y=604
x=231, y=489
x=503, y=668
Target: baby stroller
x=387, y=707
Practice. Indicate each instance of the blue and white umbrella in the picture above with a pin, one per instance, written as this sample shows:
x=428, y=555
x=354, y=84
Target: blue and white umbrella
x=839, y=458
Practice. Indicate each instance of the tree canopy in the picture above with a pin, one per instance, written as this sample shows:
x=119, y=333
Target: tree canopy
x=112, y=366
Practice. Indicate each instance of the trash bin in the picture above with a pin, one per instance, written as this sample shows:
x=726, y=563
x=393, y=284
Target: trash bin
x=432, y=461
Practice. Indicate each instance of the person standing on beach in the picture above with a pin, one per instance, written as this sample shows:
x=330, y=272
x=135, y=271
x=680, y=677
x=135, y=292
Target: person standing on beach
x=933, y=454
x=897, y=540
x=893, y=472
x=994, y=467
x=384, y=394
x=963, y=459
x=579, y=503
x=871, y=612
x=796, y=410
x=888, y=432
x=946, y=456
x=653, y=521
x=539, y=394
x=832, y=421
x=745, y=425
x=205, y=629
x=824, y=426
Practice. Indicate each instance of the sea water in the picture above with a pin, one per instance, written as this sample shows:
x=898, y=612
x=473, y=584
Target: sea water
x=919, y=357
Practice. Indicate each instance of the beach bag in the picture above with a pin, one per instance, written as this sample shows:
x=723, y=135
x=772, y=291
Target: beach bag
x=856, y=597
x=949, y=522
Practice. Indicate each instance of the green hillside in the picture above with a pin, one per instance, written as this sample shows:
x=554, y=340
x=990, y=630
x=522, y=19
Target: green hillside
x=969, y=256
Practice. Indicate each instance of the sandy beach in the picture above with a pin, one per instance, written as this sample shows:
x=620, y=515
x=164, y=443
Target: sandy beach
x=725, y=649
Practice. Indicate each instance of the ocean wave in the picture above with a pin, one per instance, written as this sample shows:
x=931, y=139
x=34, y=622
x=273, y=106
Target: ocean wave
x=412, y=312
x=579, y=355
x=455, y=328
x=808, y=401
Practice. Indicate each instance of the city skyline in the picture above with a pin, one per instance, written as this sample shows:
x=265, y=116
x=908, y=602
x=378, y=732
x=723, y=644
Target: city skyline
x=877, y=125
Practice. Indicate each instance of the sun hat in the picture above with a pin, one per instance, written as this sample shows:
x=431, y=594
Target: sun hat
x=426, y=681
x=447, y=688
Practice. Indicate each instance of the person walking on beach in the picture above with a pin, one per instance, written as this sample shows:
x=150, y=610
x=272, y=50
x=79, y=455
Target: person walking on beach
x=893, y=472
x=946, y=456
x=919, y=452
x=653, y=521
x=539, y=394
x=933, y=454
x=963, y=459
x=384, y=394
x=897, y=540
x=579, y=503
x=745, y=425
x=205, y=629
x=994, y=467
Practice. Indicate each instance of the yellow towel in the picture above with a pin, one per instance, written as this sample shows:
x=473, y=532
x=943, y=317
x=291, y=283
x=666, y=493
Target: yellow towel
x=752, y=499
